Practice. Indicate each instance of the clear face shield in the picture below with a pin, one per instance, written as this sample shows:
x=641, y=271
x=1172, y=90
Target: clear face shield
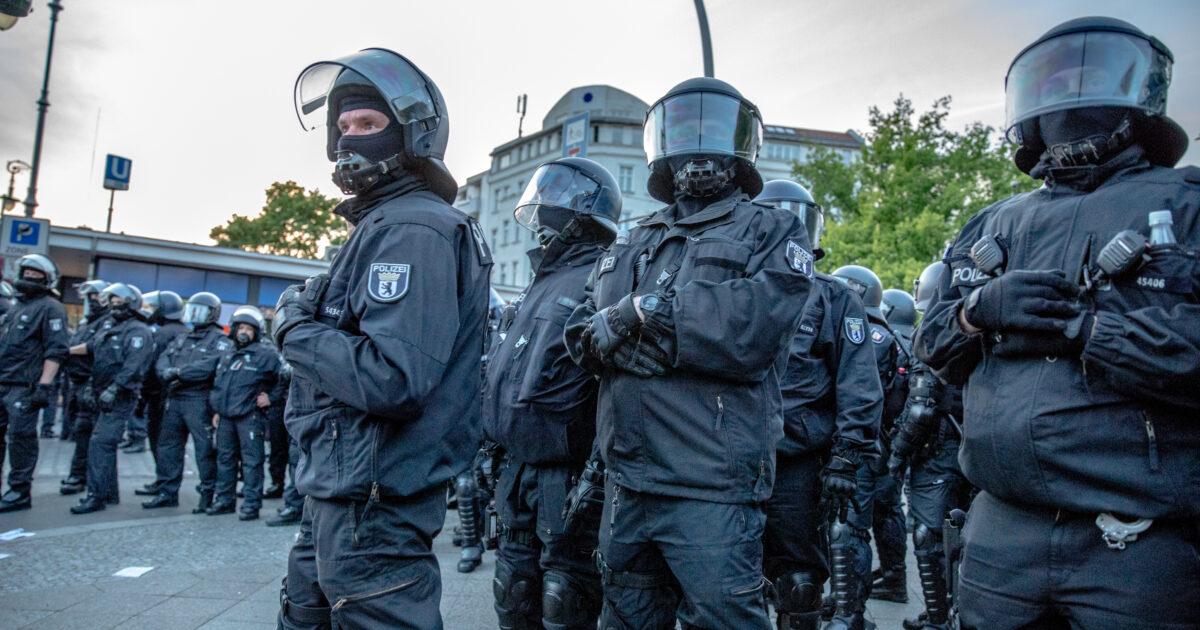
x=196, y=313
x=810, y=215
x=1086, y=69
x=150, y=304
x=403, y=88
x=702, y=123
x=555, y=186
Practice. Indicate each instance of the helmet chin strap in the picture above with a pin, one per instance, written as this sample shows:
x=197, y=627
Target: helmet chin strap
x=1093, y=149
x=355, y=174
x=703, y=177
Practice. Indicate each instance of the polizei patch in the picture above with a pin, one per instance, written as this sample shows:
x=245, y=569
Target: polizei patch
x=387, y=282
x=799, y=259
x=855, y=331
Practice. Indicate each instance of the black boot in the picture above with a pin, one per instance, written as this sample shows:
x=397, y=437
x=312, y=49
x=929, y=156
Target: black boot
x=90, y=504
x=160, y=501
x=287, y=516
x=273, y=491
x=220, y=508
x=471, y=556
x=928, y=550
x=205, y=503
x=148, y=490
x=13, y=501
x=891, y=585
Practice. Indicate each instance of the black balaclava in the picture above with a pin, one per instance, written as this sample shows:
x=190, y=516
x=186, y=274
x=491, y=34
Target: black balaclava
x=31, y=288
x=1087, y=135
x=378, y=146
x=121, y=312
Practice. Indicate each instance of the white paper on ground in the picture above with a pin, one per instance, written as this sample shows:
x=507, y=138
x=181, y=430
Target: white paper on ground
x=133, y=571
x=14, y=534
x=5, y=555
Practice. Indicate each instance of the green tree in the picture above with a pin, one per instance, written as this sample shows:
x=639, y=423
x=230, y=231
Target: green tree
x=293, y=222
x=909, y=192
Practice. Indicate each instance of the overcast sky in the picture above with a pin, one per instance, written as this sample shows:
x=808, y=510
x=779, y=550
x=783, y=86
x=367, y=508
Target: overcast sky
x=199, y=94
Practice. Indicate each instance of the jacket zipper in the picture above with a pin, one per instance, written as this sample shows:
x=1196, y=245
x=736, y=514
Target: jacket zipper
x=345, y=600
x=616, y=503
x=720, y=413
x=1153, y=443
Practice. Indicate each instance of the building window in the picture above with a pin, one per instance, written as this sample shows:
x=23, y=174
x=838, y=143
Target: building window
x=495, y=242
x=554, y=140
x=503, y=273
x=506, y=231
x=596, y=133
x=506, y=159
x=626, y=179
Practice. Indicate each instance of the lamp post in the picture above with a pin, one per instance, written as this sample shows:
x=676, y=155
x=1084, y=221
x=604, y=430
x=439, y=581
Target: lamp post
x=13, y=167
x=43, y=105
x=705, y=40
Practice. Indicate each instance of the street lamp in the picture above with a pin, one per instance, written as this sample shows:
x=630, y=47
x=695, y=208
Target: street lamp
x=705, y=40
x=43, y=105
x=14, y=167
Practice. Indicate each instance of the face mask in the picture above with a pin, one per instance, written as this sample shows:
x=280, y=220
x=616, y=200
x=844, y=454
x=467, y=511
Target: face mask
x=244, y=338
x=31, y=287
x=121, y=312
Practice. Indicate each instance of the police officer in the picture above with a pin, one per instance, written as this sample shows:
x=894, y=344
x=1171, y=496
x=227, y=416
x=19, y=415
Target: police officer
x=687, y=325
x=900, y=310
x=277, y=436
x=1080, y=347
x=385, y=350
x=163, y=310
x=187, y=368
x=926, y=443
x=120, y=356
x=293, y=501
x=832, y=402
x=33, y=344
x=541, y=407
x=81, y=405
x=246, y=374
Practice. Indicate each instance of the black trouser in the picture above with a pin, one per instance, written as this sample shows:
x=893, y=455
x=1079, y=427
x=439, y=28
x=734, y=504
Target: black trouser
x=1037, y=567
x=663, y=557
x=536, y=556
x=102, y=449
x=888, y=522
x=186, y=415
x=50, y=414
x=81, y=428
x=794, y=539
x=136, y=426
x=280, y=441
x=291, y=496
x=18, y=419
x=68, y=408
x=156, y=406
x=376, y=568
x=241, y=435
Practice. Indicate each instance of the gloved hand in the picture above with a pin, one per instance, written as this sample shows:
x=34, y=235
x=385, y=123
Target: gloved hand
x=841, y=482
x=487, y=466
x=40, y=398
x=169, y=374
x=1023, y=300
x=585, y=501
x=87, y=397
x=1046, y=344
x=608, y=329
x=108, y=397
x=642, y=357
x=296, y=305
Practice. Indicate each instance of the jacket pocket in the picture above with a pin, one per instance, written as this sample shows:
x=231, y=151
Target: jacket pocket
x=713, y=259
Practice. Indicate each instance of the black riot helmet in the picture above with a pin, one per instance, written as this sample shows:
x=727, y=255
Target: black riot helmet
x=159, y=307
x=568, y=195
x=866, y=284
x=36, y=262
x=786, y=194
x=701, y=137
x=898, y=308
x=246, y=315
x=130, y=294
x=89, y=292
x=414, y=102
x=201, y=309
x=926, y=286
x=1089, y=63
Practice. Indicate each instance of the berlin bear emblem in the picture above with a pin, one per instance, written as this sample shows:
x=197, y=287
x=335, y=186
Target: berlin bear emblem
x=855, y=331
x=387, y=282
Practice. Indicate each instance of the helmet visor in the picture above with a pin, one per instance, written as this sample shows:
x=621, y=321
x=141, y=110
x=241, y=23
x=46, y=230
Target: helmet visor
x=559, y=186
x=196, y=313
x=702, y=122
x=150, y=303
x=400, y=84
x=810, y=215
x=1087, y=69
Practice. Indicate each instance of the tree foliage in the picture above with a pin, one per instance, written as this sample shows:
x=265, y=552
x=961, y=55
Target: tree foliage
x=293, y=222
x=909, y=192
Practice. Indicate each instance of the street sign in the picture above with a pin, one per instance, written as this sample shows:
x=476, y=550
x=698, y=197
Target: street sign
x=575, y=136
x=22, y=236
x=116, y=172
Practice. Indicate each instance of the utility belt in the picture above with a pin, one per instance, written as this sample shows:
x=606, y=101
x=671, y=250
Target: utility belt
x=526, y=537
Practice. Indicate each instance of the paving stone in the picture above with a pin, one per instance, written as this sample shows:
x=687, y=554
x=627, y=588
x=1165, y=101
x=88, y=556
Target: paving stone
x=250, y=610
x=191, y=607
x=50, y=599
x=74, y=620
x=220, y=589
x=162, y=622
x=20, y=618
x=123, y=604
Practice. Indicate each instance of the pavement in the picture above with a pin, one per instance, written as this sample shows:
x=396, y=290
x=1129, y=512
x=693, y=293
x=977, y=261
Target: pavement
x=210, y=572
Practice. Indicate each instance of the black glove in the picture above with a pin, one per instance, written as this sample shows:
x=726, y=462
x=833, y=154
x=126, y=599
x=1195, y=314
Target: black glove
x=296, y=305
x=487, y=466
x=585, y=501
x=1023, y=300
x=108, y=397
x=1046, y=344
x=841, y=482
x=642, y=357
x=608, y=329
x=40, y=398
x=87, y=397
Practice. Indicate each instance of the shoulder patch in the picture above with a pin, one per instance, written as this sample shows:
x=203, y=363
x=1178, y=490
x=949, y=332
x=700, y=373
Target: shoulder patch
x=485, y=255
x=223, y=345
x=855, y=330
x=877, y=336
x=964, y=274
x=799, y=259
x=136, y=342
x=387, y=282
x=607, y=264
x=55, y=324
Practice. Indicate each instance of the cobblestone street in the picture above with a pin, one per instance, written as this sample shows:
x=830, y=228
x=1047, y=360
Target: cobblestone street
x=208, y=571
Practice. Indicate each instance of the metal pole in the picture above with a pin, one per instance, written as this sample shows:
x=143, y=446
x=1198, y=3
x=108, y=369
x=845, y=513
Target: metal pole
x=705, y=40
x=111, y=194
x=43, y=105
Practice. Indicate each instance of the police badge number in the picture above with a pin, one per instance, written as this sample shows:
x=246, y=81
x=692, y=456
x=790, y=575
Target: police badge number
x=856, y=332
x=799, y=259
x=387, y=282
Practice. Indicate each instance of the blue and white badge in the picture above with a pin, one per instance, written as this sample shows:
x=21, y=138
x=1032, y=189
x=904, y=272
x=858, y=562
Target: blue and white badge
x=608, y=263
x=55, y=324
x=387, y=282
x=799, y=259
x=136, y=342
x=856, y=332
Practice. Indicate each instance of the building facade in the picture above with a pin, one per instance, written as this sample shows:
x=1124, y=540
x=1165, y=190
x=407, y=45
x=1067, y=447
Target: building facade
x=614, y=139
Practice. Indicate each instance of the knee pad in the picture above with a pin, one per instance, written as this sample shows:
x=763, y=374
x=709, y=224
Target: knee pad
x=568, y=604
x=798, y=592
x=926, y=540
x=517, y=598
x=464, y=486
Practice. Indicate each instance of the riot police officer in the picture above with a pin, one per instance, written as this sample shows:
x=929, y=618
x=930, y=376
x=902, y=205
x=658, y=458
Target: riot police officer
x=245, y=376
x=832, y=402
x=120, y=356
x=81, y=404
x=385, y=350
x=187, y=368
x=1073, y=317
x=33, y=344
x=900, y=310
x=541, y=407
x=687, y=325
x=163, y=310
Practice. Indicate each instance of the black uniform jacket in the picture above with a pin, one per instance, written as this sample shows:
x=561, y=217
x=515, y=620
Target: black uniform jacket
x=163, y=336
x=33, y=331
x=121, y=355
x=242, y=374
x=831, y=388
x=1115, y=430
x=79, y=366
x=892, y=363
x=196, y=355
x=385, y=392
x=737, y=275
x=538, y=404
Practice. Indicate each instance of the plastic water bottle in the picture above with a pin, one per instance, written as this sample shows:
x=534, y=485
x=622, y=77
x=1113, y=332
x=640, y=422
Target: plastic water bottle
x=1160, y=228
